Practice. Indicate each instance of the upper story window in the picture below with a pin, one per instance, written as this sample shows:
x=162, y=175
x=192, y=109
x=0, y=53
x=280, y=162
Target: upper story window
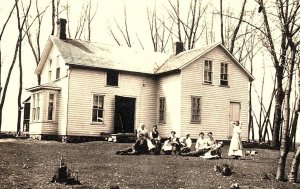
x=195, y=109
x=208, y=73
x=36, y=98
x=50, y=71
x=162, y=110
x=224, y=74
x=112, y=78
x=51, y=107
x=57, y=68
x=97, y=109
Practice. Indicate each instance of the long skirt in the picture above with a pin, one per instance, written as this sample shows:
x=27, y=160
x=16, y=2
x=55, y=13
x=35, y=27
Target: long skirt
x=236, y=147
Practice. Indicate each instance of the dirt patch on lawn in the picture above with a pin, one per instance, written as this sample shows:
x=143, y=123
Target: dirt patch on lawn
x=8, y=140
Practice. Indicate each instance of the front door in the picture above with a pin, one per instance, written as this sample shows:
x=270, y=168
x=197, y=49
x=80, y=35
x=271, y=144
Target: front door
x=124, y=114
x=234, y=115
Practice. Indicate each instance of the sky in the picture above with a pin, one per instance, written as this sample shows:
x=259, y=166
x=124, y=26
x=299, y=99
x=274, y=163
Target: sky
x=107, y=11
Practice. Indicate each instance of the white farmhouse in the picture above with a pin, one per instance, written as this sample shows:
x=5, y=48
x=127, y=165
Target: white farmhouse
x=90, y=89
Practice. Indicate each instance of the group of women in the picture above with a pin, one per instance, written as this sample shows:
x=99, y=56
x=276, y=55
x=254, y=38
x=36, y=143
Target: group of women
x=150, y=143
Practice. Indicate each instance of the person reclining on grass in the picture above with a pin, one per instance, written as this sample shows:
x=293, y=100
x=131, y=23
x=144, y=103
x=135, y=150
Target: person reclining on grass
x=140, y=147
x=208, y=146
x=172, y=145
x=185, y=144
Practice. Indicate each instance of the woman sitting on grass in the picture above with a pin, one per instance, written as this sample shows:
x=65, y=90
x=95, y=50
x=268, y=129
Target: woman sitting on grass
x=185, y=144
x=172, y=145
x=140, y=147
x=205, y=146
x=200, y=141
x=155, y=140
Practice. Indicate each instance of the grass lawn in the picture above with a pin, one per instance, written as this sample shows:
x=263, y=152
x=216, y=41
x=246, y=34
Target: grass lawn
x=31, y=164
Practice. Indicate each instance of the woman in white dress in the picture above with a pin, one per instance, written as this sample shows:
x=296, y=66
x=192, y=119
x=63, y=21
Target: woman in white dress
x=236, y=147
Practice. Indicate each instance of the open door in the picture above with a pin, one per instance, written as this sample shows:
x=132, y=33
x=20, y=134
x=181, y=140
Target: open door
x=234, y=115
x=124, y=114
x=26, y=117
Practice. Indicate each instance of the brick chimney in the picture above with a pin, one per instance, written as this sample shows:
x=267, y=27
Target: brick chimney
x=177, y=48
x=61, y=28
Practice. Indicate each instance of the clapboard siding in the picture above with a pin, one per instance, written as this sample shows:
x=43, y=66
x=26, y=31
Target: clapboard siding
x=58, y=126
x=61, y=106
x=43, y=126
x=83, y=83
x=215, y=98
x=61, y=64
x=169, y=87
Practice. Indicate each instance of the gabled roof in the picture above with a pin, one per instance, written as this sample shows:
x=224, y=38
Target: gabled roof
x=95, y=55
x=185, y=58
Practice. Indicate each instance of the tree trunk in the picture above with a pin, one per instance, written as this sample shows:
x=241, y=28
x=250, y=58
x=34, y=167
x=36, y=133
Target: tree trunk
x=53, y=17
x=221, y=17
x=1, y=34
x=285, y=138
x=294, y=167
x=279, y=96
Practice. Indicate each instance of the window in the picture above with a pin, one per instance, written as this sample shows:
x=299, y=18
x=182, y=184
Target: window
x=50, y=71
x=51, y=107
x=224, y=74
x=33, y=107
x=57, y=68
x=208, y=72
x=162, y=110
x=112, y=78
x=36, y=106
x=196, y=109
x=97, y=112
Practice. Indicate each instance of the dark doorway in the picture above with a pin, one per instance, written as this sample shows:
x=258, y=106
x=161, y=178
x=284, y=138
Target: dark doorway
x=124, y=114
x=26, y=117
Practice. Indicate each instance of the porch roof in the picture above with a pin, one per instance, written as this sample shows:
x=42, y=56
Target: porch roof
x=47, y=86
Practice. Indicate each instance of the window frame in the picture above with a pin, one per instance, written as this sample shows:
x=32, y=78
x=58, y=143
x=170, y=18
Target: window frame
x=192, y=120
x=103, y=109
x=209, y=72
x=36, y=106
x=227, y=64
x=50, y=70
x=57, y=74
x=162, y=112
x=53, y=107
x=108, y=72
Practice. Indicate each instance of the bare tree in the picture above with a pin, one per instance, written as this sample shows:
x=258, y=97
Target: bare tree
x=191, y=33
x=53, y=16
x=20, y=39
x=1, y=61
x=222, y=23
x=35, y=44
x=124, y=32
x=296, y=158
x=160, y=33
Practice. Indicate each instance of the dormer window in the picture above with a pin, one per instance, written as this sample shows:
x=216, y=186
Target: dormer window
x=208, y=72
x=112, y=78
x=224, y=74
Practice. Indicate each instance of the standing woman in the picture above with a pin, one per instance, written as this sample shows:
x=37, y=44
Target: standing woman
x=236, y=147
